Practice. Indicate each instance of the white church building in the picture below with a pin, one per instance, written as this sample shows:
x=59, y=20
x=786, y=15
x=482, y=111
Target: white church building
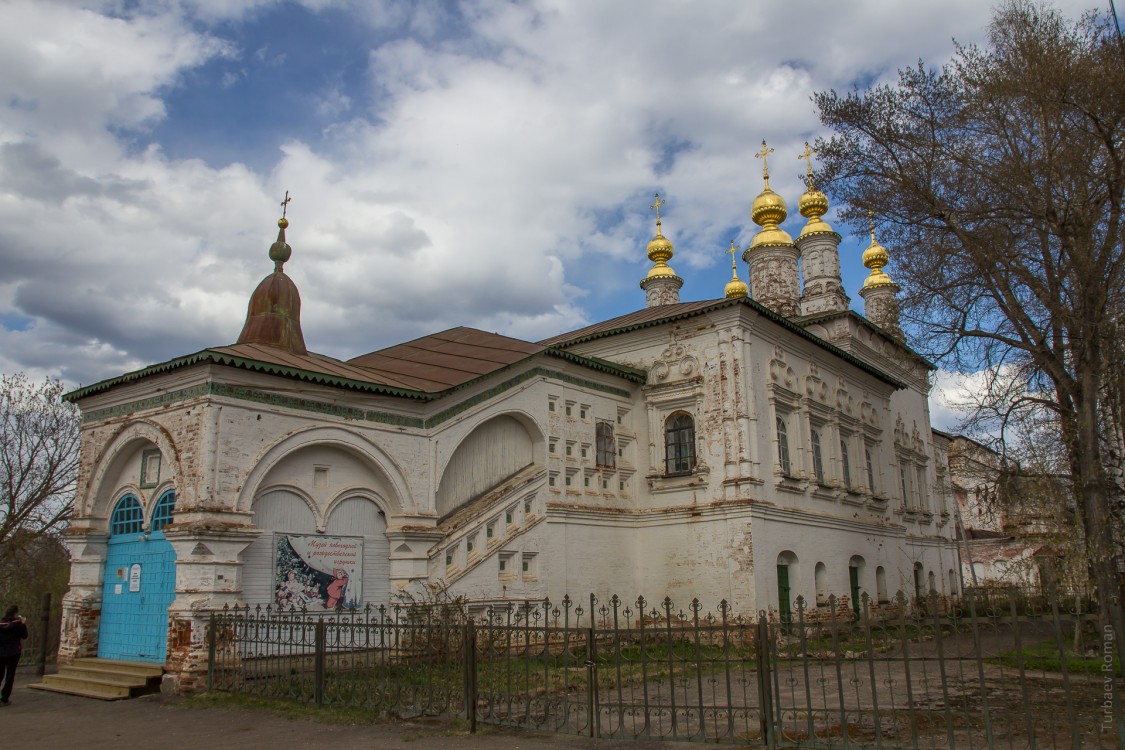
x=755, y=448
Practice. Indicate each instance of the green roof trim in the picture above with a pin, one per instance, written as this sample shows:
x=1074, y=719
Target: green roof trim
x=210, y=356
x=259, y=396
x=757, y=307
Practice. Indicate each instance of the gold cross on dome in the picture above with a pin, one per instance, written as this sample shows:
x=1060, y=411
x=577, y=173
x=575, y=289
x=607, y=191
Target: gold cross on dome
x=871, y=224
x=285, y=204
x=763, y=154
x=807, y=156
x=656, y=207
x=731, y=252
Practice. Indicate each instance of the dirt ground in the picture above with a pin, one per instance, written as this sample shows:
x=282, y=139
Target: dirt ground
x=38, y=719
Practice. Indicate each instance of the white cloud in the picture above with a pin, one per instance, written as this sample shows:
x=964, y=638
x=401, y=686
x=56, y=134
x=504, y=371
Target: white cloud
x=494, y=174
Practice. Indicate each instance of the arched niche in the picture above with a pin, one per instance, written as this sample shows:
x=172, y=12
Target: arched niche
x=325, y=463
x=140, y=457
x=494, y=451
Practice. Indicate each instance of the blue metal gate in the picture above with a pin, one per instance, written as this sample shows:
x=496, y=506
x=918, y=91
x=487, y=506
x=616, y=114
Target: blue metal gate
x=139, y=585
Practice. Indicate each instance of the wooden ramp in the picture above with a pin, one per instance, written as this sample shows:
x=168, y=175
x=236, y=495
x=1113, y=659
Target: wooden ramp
x=104, y=679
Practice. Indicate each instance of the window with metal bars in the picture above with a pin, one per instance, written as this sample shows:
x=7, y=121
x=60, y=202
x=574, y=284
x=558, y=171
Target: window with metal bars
x=162, y=514
x=606, y=445
x=128, y=517
x=679, y=443
x=783, y=446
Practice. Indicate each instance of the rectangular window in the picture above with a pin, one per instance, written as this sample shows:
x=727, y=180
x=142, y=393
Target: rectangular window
x=783, y=447
x=448, y=558
x=509, y=513
x=920, y=488
x=606, y=445
x=679, y=443
x=845, y=463
x=585, y=449
x=551, y=405
x=491, y=530
x=550, y=482
x=905, y=490
x=582, y=412
x=527, y=508
x=817, y=457
x=528, y=565
x=551, y=447
x=870, y=468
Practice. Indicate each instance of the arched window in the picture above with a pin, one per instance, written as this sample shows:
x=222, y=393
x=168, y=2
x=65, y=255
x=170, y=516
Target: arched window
x=952, y=582
x=162, y=513
x=679, y=442
x=783, y=446
x=846, y=463
x=817, y=457
x=128, y=517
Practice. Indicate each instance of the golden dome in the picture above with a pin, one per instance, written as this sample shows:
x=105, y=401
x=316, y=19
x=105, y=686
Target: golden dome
x=660, y=248
x=875, y=257
x=768, y=210
x=768, y=207
x=736, y=287
x=813, y=204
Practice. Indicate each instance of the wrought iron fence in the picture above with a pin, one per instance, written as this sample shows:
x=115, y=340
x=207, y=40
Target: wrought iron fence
x=937, y=673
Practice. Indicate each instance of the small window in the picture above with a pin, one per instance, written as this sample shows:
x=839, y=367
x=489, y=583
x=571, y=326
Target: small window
x=527, y=565
x=582, y=412
x=870, y=468
x=905, y=491
x=606, y=445
x=527, y=508
x=584, y=450
x=128, y=517
x=679, y=442
x=162, y=514
x=621, y=486
x=570, y=449
x=568, y=410
x=585, y=481
x=550, y=482
x=817, y=457
x=508, y=513
x=469, y=544
x=550, y=405
x=605, y=484
x=448, y=558
x=568, y=480
x=845, y=462
x=552, y=446
x=490, y=531
x=783, y=446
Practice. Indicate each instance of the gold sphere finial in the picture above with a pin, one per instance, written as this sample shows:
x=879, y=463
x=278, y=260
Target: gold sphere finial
x=660, y=249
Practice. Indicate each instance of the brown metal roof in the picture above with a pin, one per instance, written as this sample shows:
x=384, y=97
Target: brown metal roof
x=444, y=360
x=633, y=319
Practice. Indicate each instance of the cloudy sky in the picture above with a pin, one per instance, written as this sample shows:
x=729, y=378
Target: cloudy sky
x=480, y=163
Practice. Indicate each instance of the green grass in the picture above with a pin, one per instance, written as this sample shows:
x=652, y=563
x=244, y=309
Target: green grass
x=1044, y=656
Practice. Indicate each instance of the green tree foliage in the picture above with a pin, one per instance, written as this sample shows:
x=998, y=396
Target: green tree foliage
x=998, y=183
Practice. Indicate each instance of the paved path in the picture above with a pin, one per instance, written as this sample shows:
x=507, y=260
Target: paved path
x=39, y=719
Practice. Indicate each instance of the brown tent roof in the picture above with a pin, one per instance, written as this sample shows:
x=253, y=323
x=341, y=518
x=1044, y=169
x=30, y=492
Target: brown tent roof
x=637, y=319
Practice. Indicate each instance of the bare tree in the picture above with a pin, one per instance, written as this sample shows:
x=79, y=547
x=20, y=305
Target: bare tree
x=38, y=461
x=998, y=182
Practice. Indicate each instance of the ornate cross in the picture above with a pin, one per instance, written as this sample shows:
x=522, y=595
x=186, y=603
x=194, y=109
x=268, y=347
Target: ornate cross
x=871, y=224
x=731, y=252
x=765, y=152
x=285, y=204
x=807, y=156
x=656, y=206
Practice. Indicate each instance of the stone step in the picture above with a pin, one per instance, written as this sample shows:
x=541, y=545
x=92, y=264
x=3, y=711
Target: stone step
x=106, y=679
x=86, y=688
x=146, y=669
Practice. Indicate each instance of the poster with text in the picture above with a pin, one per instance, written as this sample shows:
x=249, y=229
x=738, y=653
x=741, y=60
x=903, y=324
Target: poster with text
x=322, y=573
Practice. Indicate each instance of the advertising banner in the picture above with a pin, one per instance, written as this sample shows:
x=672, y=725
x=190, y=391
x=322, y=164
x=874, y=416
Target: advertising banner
x=320, y=573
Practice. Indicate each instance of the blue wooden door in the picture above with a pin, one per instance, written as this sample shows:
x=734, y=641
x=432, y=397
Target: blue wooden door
x=140, y=584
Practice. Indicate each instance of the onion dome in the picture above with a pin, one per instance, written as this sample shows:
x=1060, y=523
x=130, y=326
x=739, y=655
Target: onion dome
x=660, y=250
x=736, y=287
x=273, y=317
x=813, y=204
x=875, y=257
x=768, y=211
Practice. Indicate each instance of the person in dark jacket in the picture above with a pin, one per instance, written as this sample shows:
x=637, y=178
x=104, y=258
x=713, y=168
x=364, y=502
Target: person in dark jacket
x=13, y=629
